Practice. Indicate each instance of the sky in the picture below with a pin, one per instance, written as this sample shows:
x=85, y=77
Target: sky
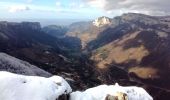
x=79, y=9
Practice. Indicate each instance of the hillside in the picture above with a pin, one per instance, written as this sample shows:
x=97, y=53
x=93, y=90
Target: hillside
x=27, y=41
x=54, y=30
x=137, y=44
x=60, y=56
x=14, y=65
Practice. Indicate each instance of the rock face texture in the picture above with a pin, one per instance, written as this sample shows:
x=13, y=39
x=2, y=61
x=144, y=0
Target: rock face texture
x=56, y=31
x=118, y=96
x=102, y=21
x=12, y=64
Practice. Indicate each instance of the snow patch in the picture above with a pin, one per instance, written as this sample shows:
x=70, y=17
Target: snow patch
x=103, y=91
x=20, y=87
x=99, y=22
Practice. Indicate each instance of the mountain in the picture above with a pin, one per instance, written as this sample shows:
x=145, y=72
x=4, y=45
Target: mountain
x=85, y=31
x=88, y=31
x=138, y=44
x=127, y=23
x=102, y=21
x=27, y=41
x=29, y=34
x=131, y=49
x=59, y=56
x=54, y=30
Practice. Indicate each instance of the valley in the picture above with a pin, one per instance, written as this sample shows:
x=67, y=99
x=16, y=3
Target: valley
x=131, y=49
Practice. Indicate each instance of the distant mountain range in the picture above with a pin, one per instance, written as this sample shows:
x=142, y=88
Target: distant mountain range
x=131, y=49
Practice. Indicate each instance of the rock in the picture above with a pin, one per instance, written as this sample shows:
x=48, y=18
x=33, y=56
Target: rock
x=117, y=96
x=101, y=21
x=12, y=64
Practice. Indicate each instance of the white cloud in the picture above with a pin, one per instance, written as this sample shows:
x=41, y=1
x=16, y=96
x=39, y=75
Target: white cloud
x=18, y=8
x=153, y=7
x=29, y=1
x=75, y=5
x=82, y=5
x=58, y=4
x=72, y=5
x=97, y=3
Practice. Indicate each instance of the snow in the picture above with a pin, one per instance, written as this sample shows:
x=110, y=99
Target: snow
x=99, y=22
x=100, y=93
x=20, y=87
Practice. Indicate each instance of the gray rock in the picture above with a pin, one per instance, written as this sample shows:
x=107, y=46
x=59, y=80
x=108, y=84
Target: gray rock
x=14, y=65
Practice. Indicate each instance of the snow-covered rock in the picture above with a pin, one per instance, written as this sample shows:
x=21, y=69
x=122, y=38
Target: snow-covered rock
x=103, y=91
x=20, y=87
x=101, y=21
x=14, y=65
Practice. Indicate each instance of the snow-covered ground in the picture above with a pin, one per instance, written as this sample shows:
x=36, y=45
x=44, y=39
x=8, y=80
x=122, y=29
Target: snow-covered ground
x=20, y=87
x=116, y=91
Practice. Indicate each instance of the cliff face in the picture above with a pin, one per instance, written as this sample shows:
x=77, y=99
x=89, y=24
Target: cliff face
x=102, y=21
x=30, y=25
x=56, y=31
x=12, y=64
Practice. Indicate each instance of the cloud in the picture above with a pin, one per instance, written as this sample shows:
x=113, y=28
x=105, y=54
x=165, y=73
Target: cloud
x=18, y=8
x=153, y=7
x=58, y=4
x=29, y=1
x=97, y=3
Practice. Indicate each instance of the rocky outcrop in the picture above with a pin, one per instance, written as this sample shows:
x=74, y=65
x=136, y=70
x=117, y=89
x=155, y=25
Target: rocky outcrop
x=117, y=96
x=32, y=25
x=102, y=21
x=12, y=64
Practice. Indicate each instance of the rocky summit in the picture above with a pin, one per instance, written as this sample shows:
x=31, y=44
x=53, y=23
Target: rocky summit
x=102, y=21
